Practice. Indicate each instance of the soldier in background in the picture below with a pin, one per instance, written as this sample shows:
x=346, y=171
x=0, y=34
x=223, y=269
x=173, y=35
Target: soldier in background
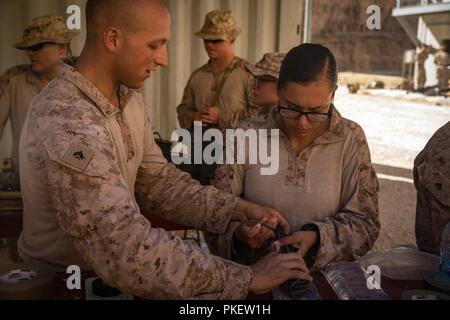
x=441, y=60
x=422, y=56
x=46, y=42
x=266, y=72
x=432, y=181
x=219, y=93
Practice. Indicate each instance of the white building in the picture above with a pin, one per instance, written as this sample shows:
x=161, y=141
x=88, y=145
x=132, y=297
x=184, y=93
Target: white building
x=425, y=21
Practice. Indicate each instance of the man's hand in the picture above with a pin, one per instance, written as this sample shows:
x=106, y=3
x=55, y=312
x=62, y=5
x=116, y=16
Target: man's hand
x=304, y=240
x=198, y=117
x=274, y=269
x=255, y=236
x=210, y=115
x=251, y=214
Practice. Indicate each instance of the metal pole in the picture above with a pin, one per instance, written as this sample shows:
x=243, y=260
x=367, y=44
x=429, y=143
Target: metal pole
x=307, y=21
x=409, y=30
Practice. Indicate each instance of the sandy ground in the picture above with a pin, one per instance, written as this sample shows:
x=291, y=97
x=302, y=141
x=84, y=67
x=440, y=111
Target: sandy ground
x=365, y=78
x=397, y=202
x=396, y=131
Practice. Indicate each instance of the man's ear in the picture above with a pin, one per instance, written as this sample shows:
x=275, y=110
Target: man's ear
x=112, y=38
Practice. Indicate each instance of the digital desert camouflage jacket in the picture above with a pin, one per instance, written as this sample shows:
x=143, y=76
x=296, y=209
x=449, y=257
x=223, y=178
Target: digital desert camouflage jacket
x=330, y=184
x=236, y=99
x=432, y=180
x=83, y=161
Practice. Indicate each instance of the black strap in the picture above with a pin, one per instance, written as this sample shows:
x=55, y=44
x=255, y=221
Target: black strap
x=235, y=63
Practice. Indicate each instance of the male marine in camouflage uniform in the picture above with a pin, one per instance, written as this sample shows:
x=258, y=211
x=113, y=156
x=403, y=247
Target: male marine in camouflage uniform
x=432, y=181
x=219, y=93
x=422, y=56
x=441, y=59
x=89, y=158
x=46, y=41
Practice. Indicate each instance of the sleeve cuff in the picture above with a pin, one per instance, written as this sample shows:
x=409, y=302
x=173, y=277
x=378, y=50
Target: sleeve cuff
x=311, y=255
x=220, y=216
x=238, y=282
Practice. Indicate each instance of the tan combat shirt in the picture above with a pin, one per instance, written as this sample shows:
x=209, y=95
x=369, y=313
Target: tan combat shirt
x=236, y=100
x=83, y=160
x=18, y=86
x=331, y=184
x=432, y=181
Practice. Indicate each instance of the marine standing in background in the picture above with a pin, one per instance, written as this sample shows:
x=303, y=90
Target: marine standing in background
x=441, y=60
x=266, y=72
x=422, y=56
x=46, y=42
x=219, y=93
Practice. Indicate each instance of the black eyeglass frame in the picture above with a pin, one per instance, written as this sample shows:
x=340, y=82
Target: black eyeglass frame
x=306, y=113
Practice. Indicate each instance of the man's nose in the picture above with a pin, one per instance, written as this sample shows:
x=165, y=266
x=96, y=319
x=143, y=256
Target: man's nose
x=162, y=58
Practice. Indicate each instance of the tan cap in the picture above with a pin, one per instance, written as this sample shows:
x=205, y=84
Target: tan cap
x=219, y=25
x=48, y=28
x=268, y=66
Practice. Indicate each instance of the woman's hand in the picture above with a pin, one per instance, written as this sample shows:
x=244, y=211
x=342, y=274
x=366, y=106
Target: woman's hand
x=304, y=240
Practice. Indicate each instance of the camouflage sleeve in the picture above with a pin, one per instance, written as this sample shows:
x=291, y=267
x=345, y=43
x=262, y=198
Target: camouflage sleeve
x=250, y=111
x=230, y=179
x=352, y=231
x=432, y=181
x=163, y=189
x=186, y=109
x=94, y=206
x=5, y=105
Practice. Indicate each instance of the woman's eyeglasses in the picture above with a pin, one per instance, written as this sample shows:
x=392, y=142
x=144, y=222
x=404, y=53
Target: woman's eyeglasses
x=314, y=117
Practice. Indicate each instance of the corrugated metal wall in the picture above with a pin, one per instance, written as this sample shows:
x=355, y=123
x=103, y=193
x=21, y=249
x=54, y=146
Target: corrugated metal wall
x=267, y=25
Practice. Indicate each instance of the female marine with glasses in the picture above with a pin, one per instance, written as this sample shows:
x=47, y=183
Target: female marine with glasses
x=326, y=186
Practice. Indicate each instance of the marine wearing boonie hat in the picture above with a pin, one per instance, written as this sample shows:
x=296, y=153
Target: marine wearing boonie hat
x=20, y=84
x=45, y=29
x=219, y=25
x=269, y=65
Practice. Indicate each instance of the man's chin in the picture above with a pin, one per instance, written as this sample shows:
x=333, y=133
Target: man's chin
x=36, y=68
x=135, y=85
